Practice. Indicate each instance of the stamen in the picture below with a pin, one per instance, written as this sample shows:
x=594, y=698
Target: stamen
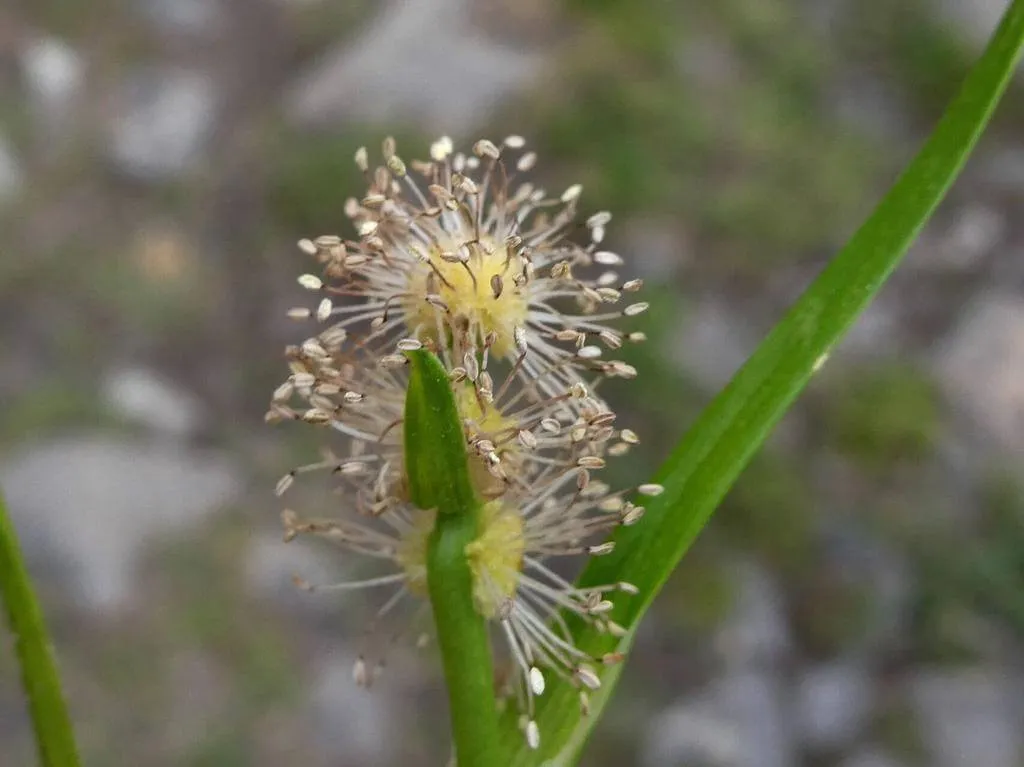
x=456, y=255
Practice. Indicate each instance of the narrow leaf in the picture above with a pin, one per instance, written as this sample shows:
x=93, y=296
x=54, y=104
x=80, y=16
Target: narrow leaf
x=706, y=463
x=55, y=740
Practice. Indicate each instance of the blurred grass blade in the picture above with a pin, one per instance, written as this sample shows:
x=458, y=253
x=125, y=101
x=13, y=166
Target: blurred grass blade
x=706, y=463
x=438, y=471
x=55, y=739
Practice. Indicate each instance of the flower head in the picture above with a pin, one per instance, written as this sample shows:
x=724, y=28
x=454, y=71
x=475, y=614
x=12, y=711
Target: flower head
x=473, y=271
x=461, y=241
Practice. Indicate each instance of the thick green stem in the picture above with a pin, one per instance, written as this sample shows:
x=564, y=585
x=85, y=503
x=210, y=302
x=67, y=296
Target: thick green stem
x=463, y=640
x=437, y=468
x=55, y=738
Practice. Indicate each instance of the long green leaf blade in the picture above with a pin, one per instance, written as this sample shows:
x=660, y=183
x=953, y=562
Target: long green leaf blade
x=730, y=430
x=55, y=740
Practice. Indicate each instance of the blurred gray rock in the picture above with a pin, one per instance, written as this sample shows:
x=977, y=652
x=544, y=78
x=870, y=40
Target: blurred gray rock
x=740, y=721
x=825, y=17
x=183, y=17
x=756, y=702
x=959, y=245
x=11, y=177
x=162, y=121
x=859, y=557
x=877, y=333
x=972, y=21
x=712, y=342
x=54, y=73
x=654, y=250
x=981, y=368
x=142, y=396
x=833, y=702
x=872, y=106
x=970, y=717
x=893, y=589
x=270, y=564
x=691, y=735
x=710, y=62
x=756, y=631
x=200, y=693
x=349, y=721
x=871, y=757
x=421, y=61
x=92, y=505
x=1003, y=167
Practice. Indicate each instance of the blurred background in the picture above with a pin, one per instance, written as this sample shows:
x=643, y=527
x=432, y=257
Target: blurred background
x=858, y=601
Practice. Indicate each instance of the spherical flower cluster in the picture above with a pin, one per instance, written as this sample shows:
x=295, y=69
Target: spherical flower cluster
x=480, y=268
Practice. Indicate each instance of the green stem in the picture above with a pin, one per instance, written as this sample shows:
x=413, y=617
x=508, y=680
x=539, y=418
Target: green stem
x=463, y=640
x=55, y=738
x=437, y=469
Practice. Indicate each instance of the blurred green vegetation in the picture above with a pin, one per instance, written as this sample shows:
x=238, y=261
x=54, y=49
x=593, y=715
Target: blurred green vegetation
x=56, y=406
x=995, y=573
x=669, y=120
x=206, y=612
x=913, y=43
x=973, y=580
x=882, y=416
x=895, y=727
x=317, y=25
x=70, y=18
x=771, y=511
x=831, y=614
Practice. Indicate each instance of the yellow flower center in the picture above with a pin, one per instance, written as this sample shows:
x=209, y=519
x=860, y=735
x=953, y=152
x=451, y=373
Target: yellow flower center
x=489, y=423
x=480, y=289
x=495, y=558
x=412, y=552
x=484, y=415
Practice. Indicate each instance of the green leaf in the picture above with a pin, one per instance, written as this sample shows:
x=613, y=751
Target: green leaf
x=55, y=739
x=710, y=457
x=435, y=449
x=438, y=471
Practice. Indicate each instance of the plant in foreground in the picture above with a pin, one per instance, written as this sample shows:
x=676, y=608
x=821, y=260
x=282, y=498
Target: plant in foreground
x=701, y=469
x=481, y=270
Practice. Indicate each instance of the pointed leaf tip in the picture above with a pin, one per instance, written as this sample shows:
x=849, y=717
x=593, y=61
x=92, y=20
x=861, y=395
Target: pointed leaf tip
x=436, y=462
